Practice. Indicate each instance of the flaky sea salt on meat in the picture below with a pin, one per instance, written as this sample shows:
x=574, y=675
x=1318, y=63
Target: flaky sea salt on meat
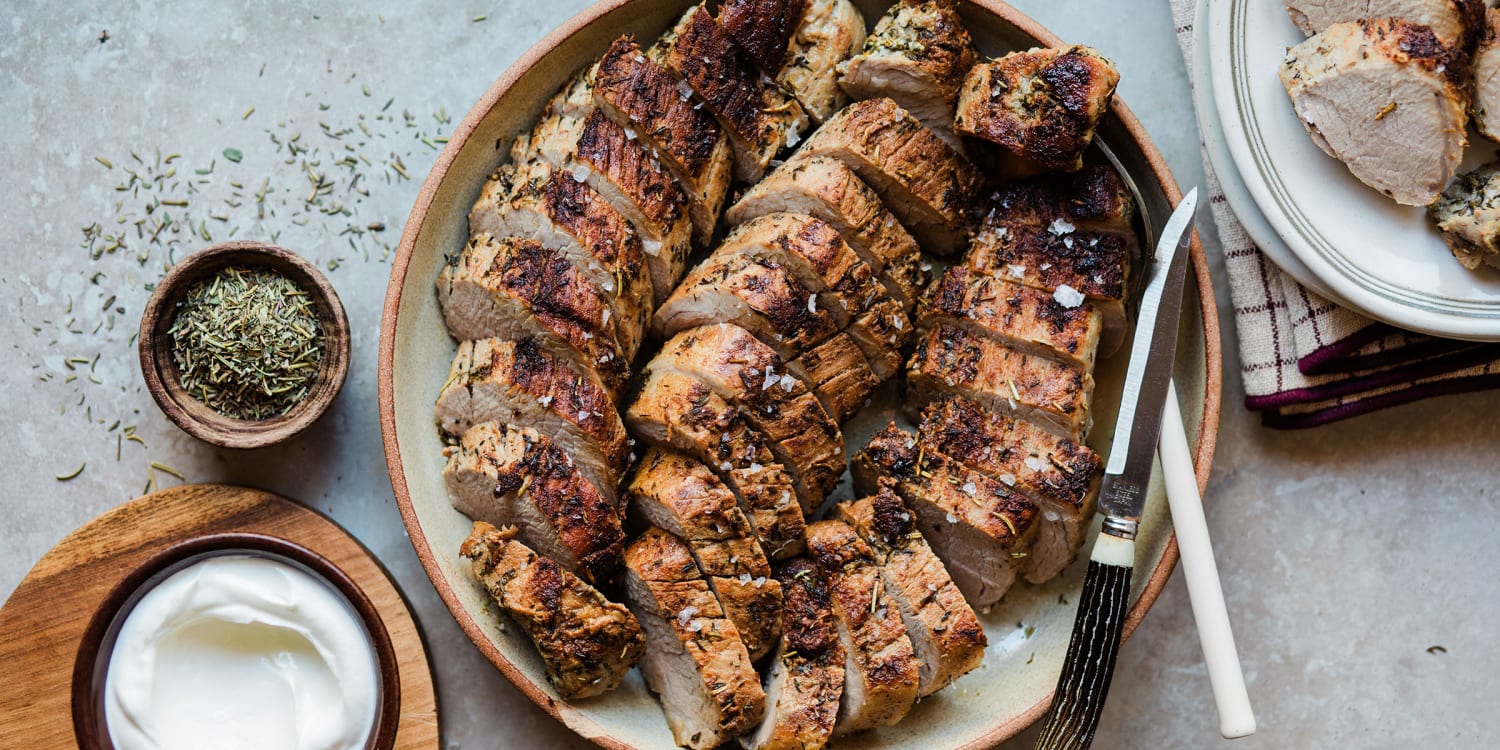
x=1068, y=296
x=1061, y=227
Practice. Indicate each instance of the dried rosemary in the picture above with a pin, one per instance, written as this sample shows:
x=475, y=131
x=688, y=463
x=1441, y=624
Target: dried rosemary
x=247, y=343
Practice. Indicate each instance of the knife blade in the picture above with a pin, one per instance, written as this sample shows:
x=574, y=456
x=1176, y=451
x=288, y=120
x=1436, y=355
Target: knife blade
x=1089, y=667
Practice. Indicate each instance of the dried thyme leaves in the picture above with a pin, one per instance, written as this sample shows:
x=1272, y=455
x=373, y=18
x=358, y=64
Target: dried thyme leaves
x=247, y=343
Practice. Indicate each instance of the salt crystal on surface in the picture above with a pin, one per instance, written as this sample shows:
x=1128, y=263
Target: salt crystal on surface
x=1061, y=227
x=1016, y=271
x=1035, y=464
x=1068, y=296
x=686, y=614
x=1009, y=480
x=952, y=518
x=812, y=303
x=579, y=172
x=684, y=90
x=969, y=489
x=545, y=400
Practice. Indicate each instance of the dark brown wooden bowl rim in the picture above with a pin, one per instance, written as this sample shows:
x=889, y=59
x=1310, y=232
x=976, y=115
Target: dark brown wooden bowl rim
x=1203, y=450
x=199, y=419
x=92, y=664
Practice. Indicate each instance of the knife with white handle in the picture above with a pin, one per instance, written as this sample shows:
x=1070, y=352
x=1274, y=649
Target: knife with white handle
x=1090, y=664
x=1236, y=719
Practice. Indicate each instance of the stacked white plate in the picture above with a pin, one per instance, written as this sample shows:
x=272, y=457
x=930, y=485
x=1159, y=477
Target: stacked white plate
x=1304, y=209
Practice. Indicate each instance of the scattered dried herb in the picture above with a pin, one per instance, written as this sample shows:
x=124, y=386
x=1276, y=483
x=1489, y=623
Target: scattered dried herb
x=247, y=343
x=72, y=474
x=234, y=154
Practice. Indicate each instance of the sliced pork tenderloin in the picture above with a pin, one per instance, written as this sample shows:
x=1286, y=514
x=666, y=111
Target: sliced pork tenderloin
x=763, y=29
x=508, y=475
x=1468, y=216
x=587, y=643
x=517, y=289
x=1486, y=105
x=758, y=294
x=748, y=374
x=881, y=672
x=518, y=382
x=830, y=31
x=1026, y=319
x=651, y=101
x=571, y=218
x=1059, y=474
x=757, y=116
x=682, y=496
x=952, y=361
x=980, y=528
x=685, y=414
x=929, y=186
x=825, y=188
x=1072, y=265
x=946, y=636
x=838, y=374
x=806, y=678
x=1040, y=106
x=1388, y=99
x=918, y=56
x=1453, y=21
x=694, y=659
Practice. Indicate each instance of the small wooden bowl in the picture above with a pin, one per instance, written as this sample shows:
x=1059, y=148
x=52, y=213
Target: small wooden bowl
x=201, y=420
x=92, y=664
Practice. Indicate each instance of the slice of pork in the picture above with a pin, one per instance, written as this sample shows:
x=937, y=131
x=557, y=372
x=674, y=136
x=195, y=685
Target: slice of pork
x=694, y=660
x=831, y=31
x=755, y=114
x=945, y=633
x=763, y=29
x=827, y=189
x=518, y=382
x=652, y=102
x=1023, y=318
x=680, y=495
x=1388, y=99
x=979, y=527
x=838, y=373
x=881, y=673
x=930, y=187
x=1072, y=265
x=571, y=218
x=1468, y=216
x=748, y=374
x=685, y=414
x=1454, y=21
x=806, y=679
x=517, y=289
x=1061, y=475
x=918, y=56
x=1040, y=106
x=953, y=361
x=587, y=643
x=1486, y=105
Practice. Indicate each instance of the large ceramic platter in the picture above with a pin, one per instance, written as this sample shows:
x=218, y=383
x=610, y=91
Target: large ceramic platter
x=1383, y=259
x=1028, y=632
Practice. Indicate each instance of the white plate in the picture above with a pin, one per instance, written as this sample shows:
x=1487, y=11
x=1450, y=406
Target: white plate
x=1384, y=259
x=1238, y=196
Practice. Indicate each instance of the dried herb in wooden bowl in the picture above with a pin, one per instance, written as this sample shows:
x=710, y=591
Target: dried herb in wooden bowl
x=247, y=342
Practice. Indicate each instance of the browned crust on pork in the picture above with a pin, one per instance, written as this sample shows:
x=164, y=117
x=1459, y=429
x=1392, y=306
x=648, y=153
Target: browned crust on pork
x=763, y=28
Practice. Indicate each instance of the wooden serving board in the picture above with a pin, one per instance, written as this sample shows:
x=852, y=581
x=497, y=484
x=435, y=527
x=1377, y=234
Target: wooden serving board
x=42, y=624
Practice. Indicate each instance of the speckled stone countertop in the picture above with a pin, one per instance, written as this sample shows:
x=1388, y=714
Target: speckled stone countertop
x=1348, y=551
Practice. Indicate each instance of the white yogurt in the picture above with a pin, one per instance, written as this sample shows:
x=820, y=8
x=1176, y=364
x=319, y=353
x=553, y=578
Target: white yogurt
x=238, y=652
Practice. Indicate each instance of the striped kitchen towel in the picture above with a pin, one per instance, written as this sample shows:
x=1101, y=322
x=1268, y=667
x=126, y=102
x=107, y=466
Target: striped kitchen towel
x=1307, y=361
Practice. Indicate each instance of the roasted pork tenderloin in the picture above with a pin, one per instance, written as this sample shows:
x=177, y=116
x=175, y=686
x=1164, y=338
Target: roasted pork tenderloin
x=1059, y=474
x=657, y=106
x=826, y=189
x=882, y=674
x=1386, y=97
x=806, y=677
x=951, y=361
x=749, y=375
x=828, y=33
x=1485, y=108
x=756, y=115
x=518, y=382
x=587, y=643
x=516, y=289
x=1020, y=317
x=929, y=186
x=763, y=29
x=918, y=56
x=694, y=660
x=1453, y=21
x=1040, y=107
x=946, y=636
x=1468, y=216
x=683, y=413
x=980, y=528
x=838, y=374
x=516, y=476
x=681, y=496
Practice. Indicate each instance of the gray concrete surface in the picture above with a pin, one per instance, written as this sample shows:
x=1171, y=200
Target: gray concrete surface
x=1348, y=551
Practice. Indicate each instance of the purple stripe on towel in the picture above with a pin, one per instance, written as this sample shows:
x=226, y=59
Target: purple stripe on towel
x=1280, y=421
x=1474, y=356
x=1329, y=358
